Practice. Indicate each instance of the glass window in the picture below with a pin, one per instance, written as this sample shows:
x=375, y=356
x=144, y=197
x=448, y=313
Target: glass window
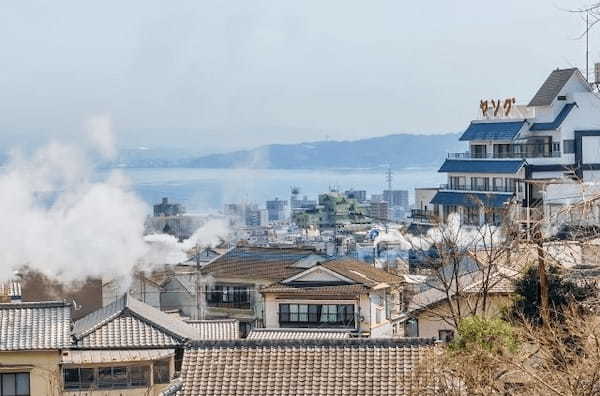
x=87, y=378
x=314, y=312
x=14, y=384
x=119, y=377
x=569, y=146
x=303, y=313
x=411, y=328
x=138, y=375
x=445, y=335
x=71, y=378
x=293, y=312
x=9, y=385
x=161, y=372
x=284, y=312
x=104, y=377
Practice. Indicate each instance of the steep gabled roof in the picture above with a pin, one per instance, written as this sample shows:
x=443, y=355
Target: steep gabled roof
x=552, y=86
x=550, y=126
x=35, y=326
x=366, y=367
x=128, y=322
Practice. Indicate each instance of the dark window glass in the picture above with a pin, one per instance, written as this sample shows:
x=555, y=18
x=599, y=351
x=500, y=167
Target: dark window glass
x=104, y=377
x=161, y=372
x=411, y=328
x=309, y=315
x=14, y=384
x=87, y=377
x=139, y=375
x=446, y=335
x=569, y=146
x=71, y=378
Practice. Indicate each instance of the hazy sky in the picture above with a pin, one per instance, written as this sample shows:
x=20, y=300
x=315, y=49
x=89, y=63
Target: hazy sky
x=227, y=74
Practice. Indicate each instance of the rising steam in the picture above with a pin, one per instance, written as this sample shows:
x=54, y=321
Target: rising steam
x=60, y=222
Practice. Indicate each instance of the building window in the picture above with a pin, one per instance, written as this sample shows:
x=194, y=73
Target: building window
x=493, y=216
x=457, y=183
x=229, y=296
x=411, y=328
x=480, y=183
x=14, y=384
x=511, y=184
x=162, y=372
x=316, y=315
x=556, y=147
x=569, y=146
x=121, y=377
x=78, y=378
x=478, y=151
x=472, y=215
x=445, y=335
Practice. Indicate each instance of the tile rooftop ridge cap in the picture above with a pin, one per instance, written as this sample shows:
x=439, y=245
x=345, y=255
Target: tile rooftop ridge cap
x=302, y=330
x=36, y=304
x=346, y=342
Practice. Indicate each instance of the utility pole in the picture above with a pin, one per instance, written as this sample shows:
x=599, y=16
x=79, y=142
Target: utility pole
x=199, y=293
x=587, y=45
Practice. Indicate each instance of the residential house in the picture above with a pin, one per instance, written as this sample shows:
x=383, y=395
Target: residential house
x=341, y=294
x=113, y=339
x=429, y=314
x=302, y=367
x=33, y=336
x=236, y=277
x=10, y=291
x=514, y=150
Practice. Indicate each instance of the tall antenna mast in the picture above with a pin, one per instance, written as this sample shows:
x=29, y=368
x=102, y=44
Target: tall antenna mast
x=388, y=177
x=587, y=45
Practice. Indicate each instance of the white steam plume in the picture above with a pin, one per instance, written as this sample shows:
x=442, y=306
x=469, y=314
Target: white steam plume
x=100, y=132
x=58, y=221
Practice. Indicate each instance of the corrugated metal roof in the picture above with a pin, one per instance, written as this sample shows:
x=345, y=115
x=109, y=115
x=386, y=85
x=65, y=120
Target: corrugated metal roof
x=366, y=367
x=492, y=130
x=35, y=326
x=549, y=126
x=297, y=334
x=213, y=330
x=552, y=86
x=471, y=199
x=482, y=166
x=114, y=356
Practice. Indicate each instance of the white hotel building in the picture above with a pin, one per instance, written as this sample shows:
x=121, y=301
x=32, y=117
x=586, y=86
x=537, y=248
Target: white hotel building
x=555, y=137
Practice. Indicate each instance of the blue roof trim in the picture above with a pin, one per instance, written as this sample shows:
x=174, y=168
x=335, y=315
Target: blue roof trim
x=471, y=199
x=492, y=130
x=482, y=166
x=549, y=126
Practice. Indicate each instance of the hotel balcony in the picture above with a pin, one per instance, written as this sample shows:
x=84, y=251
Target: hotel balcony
x=516, y=151
x=479, y=188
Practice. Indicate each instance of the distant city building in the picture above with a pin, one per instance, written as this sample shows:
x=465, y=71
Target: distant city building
x=168, y=209
x=379, y=210
x=256, y=217
x=396, y=198
x=359, y=195
x=376, y=197
x=277, y=209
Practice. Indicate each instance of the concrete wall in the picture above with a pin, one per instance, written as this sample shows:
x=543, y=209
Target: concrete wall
x=44, y=373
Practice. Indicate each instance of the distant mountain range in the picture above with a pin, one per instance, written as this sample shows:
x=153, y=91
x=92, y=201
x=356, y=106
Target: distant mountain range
x=398, y=151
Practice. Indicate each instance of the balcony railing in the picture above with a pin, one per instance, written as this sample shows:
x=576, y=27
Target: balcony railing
x=514, y=151
x=422, y=214
x=471, y=187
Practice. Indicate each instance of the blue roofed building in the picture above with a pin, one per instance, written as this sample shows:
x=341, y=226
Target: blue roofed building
x=556, y=136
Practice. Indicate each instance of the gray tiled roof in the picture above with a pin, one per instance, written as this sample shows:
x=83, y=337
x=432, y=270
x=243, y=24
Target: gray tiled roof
x=320, y=291
x=268, y=263
x=297, y=334
x=35, y=326
x=552, y=86
x=129, y=323
x=174, y=386
x=11, y=289
x=305, y=367
x=214, y=330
